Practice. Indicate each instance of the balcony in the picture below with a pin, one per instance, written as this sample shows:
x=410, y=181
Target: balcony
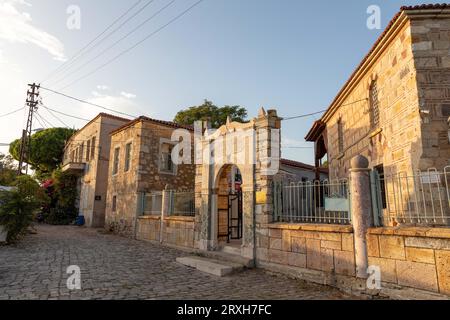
x=74, y=167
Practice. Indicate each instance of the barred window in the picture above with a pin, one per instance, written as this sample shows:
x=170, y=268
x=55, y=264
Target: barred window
x=93, y=148
x=374, y=105
x=116, y=161
x=88, y=151
x=340, y=135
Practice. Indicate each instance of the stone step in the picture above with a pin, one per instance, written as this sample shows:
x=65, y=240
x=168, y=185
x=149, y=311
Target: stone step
x=232, y=250
x=211, y=266
x=224, y=256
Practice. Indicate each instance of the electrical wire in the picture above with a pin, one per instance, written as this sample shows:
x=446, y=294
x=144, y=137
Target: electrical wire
x=133, y=46
x=116, y=43
x=12, y=112
x=77, y=55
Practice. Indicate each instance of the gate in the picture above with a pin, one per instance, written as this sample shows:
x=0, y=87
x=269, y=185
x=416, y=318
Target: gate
x=230, y=222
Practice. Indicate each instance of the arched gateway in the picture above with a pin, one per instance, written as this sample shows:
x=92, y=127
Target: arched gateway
x=232, y=185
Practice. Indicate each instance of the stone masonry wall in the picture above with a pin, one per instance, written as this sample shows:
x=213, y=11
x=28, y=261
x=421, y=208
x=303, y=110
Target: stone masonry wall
x=123, y=185
x=394, y=142
x=177, y=231
x=327, y=248
x=431, y=49
x=412, y=257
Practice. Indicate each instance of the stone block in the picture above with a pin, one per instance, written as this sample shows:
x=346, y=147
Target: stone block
x=420, y=255
x=392, y=247
x=286, y=240
x=298, y=245
x=344, y=263
x=326, y=260
x=417, y=275
x=297, y=260
x=428, y=243
x=348, y=242
x=335, y=245
x=373, y=249
x=443, y=270
x=275, y=233
x=280, y=257
x=275, y=243
x=313, y=254
x=388, y=268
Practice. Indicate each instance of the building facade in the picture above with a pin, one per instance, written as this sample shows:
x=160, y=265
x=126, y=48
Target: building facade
x=395, y=106
x=87, y=155
x=140, y=169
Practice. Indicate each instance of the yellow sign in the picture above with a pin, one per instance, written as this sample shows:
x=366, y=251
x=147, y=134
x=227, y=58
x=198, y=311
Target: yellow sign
x=261, y=197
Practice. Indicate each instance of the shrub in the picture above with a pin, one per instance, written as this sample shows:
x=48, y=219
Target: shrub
x=17, y=207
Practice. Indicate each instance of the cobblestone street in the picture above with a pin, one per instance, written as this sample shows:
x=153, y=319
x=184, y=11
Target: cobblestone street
x=117, y=268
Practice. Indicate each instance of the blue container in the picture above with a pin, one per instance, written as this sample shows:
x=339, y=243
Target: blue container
x=80, y=221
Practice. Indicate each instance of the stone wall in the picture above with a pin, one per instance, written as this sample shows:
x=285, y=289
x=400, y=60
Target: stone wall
x=412, y=257
x=144, y=175
x=431, y=50
x=177, y=231
x=394, y=142
x=327, y=248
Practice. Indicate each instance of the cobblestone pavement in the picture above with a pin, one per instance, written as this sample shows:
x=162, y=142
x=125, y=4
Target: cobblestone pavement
x=117, y=268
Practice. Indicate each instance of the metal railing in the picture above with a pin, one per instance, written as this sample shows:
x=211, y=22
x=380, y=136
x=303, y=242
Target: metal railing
x=419, y=198
x=182, y=203
x=326, y=202
x=152, y=204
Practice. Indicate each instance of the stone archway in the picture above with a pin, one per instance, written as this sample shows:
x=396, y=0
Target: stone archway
x=247, y=147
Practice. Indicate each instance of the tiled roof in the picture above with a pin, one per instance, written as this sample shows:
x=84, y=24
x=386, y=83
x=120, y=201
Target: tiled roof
x=382, y=36
x=143, y=118
x=301, y=165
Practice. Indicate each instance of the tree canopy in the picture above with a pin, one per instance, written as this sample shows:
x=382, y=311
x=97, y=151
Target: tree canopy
x=47, y=150
x=217, y=116
x=8, y=170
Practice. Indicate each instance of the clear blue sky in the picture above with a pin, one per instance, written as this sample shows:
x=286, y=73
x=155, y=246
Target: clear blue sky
x=290, y=55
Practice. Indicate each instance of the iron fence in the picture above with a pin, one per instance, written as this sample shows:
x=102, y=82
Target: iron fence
x=325, y=202
x=182, y=203
x=418, y=198
x=152, y=203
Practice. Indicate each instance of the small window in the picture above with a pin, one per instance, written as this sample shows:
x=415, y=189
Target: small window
x=72, y=156
x=80, y=153
x=340, y=136
x=127, y=157
x=374, y=106
x=93, y=148
x=88, y=150
x=116, y=161
x=114, y=204
x=380, y=170
x=166, y=164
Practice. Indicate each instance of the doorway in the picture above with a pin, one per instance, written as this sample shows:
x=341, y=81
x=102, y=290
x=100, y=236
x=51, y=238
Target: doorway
x=230, y=207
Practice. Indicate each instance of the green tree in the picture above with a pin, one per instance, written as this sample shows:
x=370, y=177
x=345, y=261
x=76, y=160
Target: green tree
x=8, y=170
x=217, y=116
x=18, y=206
x=47, y=150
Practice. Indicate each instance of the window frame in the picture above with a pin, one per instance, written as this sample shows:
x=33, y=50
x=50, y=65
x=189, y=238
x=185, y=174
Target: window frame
x=374, y=105
x=128, y=155
x=116, y=160
x=160, y=157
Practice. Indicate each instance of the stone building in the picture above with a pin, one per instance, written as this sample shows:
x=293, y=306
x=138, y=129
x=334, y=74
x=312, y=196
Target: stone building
x=395, y=106
x=140, y=169
x=87, y=155
x=294, y=171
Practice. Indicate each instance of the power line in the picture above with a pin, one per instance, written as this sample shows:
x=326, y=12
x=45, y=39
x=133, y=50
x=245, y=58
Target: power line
x=87, y=102
x=319, y=112
x=117, y=42
x=77, y=55
x=134, y=46
x=56, y=117
x=12, y=112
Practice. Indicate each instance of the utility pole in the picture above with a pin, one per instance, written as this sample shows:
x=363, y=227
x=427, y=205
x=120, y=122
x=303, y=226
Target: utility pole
x=25, y=146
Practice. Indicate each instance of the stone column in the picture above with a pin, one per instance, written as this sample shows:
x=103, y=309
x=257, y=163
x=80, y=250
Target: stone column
x=164, y=211
x=361, y=205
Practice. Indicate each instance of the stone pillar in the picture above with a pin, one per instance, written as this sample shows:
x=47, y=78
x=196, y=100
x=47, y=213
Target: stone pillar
x=361, y=205
x=164, y=211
